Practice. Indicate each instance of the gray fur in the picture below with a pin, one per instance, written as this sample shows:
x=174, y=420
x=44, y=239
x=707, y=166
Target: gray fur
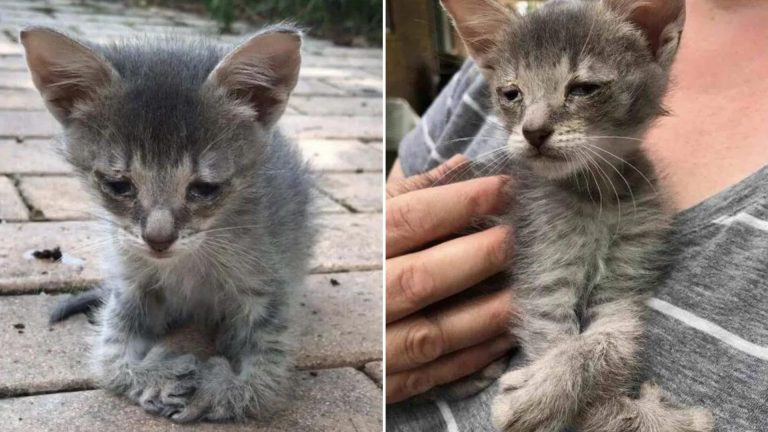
x=589, y=225
x=230, y=264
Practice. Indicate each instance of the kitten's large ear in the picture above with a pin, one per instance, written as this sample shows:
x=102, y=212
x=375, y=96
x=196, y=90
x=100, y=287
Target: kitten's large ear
x=262, y=71
x=481, y=25
x=661, y=20
x=64, y=71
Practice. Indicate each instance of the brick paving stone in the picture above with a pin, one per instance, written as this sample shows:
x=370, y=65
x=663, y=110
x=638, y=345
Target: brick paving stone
x=59, y=352
x=316, y=87
x=369, y=86
x=57, y=197
x=348, y=106
x=21, y=273
x=15, y=79
x=340, y=155
x=331, y=72
x=12, y=208
x=20, y=100
x=348, y=242
x=375, y=370
x=321, y=203
x=27, y=124
x=33, y=156
x=345, y=242
x=340, y=327
x=339, y=127
x=342, y=320
x=12, y=63
x=342, y=62
x=339, y=400
x=362, y=192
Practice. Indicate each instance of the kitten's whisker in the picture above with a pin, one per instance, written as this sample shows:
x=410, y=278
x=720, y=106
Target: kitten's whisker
x=615, y=192
x=597, y=183
x=628, y=164
x=624, y=179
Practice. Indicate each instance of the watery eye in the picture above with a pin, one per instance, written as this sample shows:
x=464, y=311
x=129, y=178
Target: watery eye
x=510, y=93
x=583, y=89
x=120, y=187
x=203, y=191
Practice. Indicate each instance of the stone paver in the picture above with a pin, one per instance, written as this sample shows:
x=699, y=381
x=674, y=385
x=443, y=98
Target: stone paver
x=340, y=155
x=375, y=370
x=15, y=79
x=27, y=124
x=12, y=63
x=33, y=156
x=348, y=242
x=12, y=208
x=340, y=314
x=345, y=242
x=339, y=127
x=21, y=100
x=324, y=105
x=339, y=400
x=361, y=192
x=57, y=197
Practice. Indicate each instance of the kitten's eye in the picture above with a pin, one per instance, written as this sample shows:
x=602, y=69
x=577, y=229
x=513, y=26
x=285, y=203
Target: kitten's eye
x=510, y=94
x=120, y=187
x=583, y=89
x=203, y=191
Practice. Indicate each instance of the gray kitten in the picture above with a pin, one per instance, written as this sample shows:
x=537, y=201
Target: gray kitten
x=207, y=211
x=577, y=84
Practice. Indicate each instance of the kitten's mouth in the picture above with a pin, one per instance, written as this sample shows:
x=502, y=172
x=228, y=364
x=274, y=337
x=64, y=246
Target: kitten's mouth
x=160, y=255
x=544, y=155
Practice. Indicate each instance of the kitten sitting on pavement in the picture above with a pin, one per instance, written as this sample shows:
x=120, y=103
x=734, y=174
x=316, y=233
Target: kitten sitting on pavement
x=207, y=209
x=577, y=84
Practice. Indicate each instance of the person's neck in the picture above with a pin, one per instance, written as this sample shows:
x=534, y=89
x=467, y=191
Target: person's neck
x=717, y=133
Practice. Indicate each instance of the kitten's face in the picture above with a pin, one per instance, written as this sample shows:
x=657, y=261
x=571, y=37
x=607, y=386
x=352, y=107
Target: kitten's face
x=166, y=179
x=574, y=82
x=168, y=135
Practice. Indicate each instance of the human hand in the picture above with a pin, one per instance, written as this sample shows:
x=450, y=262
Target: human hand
x=429, y=348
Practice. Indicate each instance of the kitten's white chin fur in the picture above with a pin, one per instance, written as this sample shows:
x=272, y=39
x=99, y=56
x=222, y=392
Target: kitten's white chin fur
x=552, y=168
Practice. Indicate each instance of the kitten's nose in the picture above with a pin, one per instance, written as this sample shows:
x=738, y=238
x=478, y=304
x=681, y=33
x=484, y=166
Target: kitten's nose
x=158, y=231
x=159, y=243
x=537, y=137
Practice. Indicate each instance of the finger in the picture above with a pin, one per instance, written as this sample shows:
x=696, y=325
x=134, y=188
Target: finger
x=422, y=278
x=425, y=215
x=427, y=179
x=446, y=369
x=420, y=339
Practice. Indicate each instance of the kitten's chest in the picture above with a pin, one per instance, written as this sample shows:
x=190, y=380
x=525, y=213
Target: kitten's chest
x=556, y=233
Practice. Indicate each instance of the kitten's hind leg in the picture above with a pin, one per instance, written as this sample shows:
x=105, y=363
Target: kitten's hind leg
x=649, y=413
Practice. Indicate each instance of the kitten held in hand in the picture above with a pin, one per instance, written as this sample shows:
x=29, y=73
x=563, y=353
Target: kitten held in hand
x=577, y=84
x=207, y=212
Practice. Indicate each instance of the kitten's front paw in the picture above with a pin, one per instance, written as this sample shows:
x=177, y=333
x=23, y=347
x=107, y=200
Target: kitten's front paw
x=175, y=383
x=219, y=396
x=674, y=418
x=527, y=402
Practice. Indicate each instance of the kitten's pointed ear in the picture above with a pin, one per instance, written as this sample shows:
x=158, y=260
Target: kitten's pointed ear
x=262, y=71
x=64, y=71
x=481, y=25
x=661, y=20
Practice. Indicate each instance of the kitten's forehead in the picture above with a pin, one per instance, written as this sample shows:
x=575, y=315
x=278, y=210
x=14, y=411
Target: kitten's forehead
x=578, y=31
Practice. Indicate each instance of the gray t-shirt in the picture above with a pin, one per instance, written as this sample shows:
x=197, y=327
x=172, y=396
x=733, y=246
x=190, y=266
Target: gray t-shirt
x=707, y=337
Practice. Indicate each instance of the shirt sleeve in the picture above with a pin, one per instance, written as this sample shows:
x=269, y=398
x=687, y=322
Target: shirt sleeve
x=422, y=147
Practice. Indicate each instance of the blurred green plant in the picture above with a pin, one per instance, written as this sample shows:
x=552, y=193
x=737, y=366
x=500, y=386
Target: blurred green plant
x=347, y=22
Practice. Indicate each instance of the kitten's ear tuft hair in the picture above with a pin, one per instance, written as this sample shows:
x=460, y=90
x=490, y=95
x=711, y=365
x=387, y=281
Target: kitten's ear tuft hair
x=660, y=20
x=262, y=71
x=481, y=25
x=64, y=71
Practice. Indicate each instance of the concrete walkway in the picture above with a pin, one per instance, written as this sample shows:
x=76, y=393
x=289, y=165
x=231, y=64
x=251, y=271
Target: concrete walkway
x=335, y=115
